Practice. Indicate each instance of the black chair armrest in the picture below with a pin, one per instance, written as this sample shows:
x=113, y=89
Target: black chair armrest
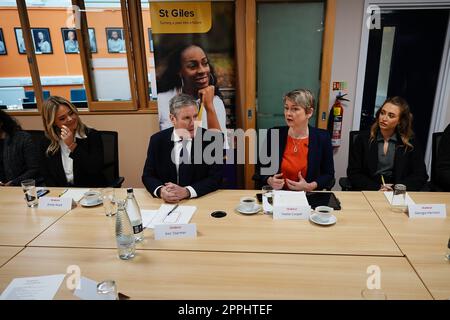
x=345, y=184
x=330, y=185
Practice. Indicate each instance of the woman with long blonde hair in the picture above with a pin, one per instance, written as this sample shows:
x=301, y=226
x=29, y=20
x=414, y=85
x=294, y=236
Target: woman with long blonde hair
x=73, y=152
x=388, y=154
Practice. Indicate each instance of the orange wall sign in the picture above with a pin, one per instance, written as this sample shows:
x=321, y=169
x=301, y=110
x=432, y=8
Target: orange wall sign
x=180, y=17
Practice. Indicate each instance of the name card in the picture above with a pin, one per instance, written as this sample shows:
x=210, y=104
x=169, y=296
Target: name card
x=291, y=212
x=172, y=231
x=427, y=211
x=290, y=205
x=55, y=203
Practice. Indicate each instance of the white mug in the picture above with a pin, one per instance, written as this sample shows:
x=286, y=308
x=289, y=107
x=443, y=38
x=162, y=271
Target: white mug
x=324, y=213
x=247, y=203
x=92, y=197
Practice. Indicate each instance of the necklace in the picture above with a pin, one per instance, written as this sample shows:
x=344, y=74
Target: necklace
x=298, y=138
x=295, y=145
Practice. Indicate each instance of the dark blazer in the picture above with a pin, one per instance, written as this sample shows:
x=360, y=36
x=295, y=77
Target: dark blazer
x=159, y=167
x=409, y=167
x=87, y=163
x=20, y=158
x=443, y=161
x=320, y=157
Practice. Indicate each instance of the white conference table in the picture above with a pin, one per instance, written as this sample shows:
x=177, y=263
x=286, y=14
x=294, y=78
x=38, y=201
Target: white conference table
x=423, y=240
x=20, y=224
x=358, y=230
x=187, y=275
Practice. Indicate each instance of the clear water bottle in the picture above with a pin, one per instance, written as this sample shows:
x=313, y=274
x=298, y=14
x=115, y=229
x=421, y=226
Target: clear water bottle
x=134, y=212
x=124, y=232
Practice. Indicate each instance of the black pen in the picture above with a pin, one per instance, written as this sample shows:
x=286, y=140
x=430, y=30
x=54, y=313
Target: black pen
x=172, y=210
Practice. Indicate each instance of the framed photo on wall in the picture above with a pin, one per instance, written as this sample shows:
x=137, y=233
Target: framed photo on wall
x=70, y=40
x=116, y=43
x=92, y=40
x=2, y=43
x=150, y=39
x=42, y=41
x=19, y=40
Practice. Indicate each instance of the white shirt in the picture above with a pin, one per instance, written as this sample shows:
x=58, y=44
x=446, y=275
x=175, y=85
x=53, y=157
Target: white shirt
x=116, y=45
x=66, y=160
x=178, y=144
x=164, y=119
x=44, y=46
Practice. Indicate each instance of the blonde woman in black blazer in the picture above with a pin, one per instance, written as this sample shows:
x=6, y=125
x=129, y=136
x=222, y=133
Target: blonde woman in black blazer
x=73, y=152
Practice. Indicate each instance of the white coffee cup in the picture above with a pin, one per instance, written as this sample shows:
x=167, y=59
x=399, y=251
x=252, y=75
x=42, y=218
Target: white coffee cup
x=247, y=203
x=324, y=213
x=92, y=197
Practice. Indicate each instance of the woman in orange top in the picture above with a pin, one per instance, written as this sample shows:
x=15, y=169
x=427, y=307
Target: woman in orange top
x=305, y=154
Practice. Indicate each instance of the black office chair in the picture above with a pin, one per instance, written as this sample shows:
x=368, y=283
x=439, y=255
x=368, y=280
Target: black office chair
x=344, y=182
x=436, y=139
x=111, y=158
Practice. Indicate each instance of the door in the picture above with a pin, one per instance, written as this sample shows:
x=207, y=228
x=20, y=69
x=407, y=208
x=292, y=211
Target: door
x=289, y=46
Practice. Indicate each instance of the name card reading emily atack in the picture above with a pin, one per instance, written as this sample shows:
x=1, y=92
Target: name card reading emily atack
x=427, y=211
x=55, y=203
x=172, y=231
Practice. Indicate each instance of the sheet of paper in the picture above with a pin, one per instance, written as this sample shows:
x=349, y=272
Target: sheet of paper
x=33, y=288
x=288, y=198
x=181, y=215
x=388, y=195
x=147, y=217
x=88, y=291
x=75, y=194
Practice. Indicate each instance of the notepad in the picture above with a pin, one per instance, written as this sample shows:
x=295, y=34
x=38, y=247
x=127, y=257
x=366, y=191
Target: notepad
x=181, y=215
x=75, y=194
x=33, y=288
x=388, y=195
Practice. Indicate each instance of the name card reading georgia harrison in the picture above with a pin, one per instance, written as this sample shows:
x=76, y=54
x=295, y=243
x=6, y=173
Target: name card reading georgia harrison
x=427, y=211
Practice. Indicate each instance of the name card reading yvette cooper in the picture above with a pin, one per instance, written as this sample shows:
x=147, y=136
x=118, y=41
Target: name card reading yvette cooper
x=172, y=231
x=290, y=205
x=55, y=203
x=427, y=211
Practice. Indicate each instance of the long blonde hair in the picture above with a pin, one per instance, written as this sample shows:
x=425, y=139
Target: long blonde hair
x=52, y=132
x=404, y=127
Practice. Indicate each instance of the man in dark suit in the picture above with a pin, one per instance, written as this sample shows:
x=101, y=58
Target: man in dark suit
x=177, y=165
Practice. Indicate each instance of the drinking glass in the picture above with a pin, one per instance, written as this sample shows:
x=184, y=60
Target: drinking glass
x=107, y=289
x=109, y=202
x=29, y=189
x=267, y=199
x=398, y=202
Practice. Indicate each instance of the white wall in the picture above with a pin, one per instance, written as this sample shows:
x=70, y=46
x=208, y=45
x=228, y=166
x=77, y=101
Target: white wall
x=347, y=36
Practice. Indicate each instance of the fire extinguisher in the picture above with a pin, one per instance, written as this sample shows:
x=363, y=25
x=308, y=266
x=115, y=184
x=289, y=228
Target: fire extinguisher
x=335, y=120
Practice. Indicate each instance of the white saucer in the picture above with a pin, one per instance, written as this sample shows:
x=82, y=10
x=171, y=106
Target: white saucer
x=85, y=204
x=313, y=217
x=255, y=209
